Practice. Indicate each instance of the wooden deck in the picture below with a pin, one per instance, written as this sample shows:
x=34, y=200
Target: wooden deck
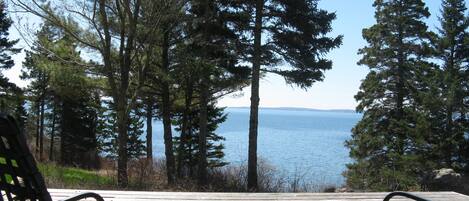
x=60, y=194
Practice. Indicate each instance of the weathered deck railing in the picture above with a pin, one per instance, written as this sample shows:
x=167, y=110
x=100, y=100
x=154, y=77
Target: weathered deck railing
x=59, y=194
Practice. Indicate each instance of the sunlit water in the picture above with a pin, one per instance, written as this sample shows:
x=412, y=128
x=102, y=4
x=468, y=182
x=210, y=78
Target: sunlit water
x=305, y=142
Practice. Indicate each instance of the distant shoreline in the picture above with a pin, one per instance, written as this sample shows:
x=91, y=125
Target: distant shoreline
x=299, y=109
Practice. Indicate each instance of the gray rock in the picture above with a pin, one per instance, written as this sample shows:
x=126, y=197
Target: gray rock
x=446, y=175
x=447, y=179
x=343, y=190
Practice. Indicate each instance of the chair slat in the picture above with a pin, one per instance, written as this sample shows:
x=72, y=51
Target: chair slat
x=20, y=178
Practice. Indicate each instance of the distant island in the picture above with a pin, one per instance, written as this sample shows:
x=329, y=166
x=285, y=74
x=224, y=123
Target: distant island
x=300, y=109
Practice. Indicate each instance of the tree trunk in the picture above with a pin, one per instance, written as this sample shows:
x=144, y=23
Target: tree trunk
x=202, y=160
x=185, y=128
x=3, y=107
x=450, y=135
x=38, y=125
x=168, y=137
x=52, y=133
x=450, y=104
x=123, y=105
x=166, y=110
x=253, y=118
x=400, y=82
x=401, y=137
x=149, y=130
x=41, y=134
x=64, y=156
x=190, y=157
x=122, y=127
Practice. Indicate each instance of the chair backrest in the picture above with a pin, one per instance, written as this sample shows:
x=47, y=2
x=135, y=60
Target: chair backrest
x=19, y=176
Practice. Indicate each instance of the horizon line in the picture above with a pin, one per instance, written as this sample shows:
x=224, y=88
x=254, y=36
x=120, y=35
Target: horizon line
x=291, y=108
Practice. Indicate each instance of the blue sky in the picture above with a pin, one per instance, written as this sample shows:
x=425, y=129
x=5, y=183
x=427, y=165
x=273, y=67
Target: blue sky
x=340, y=84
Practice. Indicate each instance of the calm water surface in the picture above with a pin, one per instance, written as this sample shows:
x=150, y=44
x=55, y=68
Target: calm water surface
x=305, y=142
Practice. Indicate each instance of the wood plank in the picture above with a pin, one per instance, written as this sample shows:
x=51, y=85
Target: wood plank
x=258, y=196
x=212, y=197
x=235, y=194
x=60, y=194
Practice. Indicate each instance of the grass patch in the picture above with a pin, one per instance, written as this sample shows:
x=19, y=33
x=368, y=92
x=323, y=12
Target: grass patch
x=67, y=177
x=9, y=178
x=3, y=160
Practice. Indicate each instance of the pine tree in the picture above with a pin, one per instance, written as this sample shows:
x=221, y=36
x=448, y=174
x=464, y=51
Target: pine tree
x=112, y=35
x=53, y=125
x=385, y=143
x=6, y=44
x=11, y=96
x=64, y=95
x=167, y=35
x=34, y=70
x=444, y=102
x=213, y=64
x=107, y=138
x=295, y=32
x=150, y=107
x=188, y=154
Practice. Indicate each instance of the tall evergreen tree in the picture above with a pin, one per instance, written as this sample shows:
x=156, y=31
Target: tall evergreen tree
x=215, y=59
x=11, y=96
x=111, y=33
x=35, y=70
x=7, y=45
x=150, y=107
x=445, y=100
x=108, y=136
x=188, y=155
x=65, y=96
x=385, y=142
x=294, y=32
x=169, y=16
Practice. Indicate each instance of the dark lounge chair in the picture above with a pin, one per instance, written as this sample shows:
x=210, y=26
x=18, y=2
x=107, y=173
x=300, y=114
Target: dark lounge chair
x=403, y=194
x=19, y=176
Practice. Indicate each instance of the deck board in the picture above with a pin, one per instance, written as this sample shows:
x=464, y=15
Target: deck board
x=60, y=194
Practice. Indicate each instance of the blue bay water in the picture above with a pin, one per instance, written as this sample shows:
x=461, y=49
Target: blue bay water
x=306, y=142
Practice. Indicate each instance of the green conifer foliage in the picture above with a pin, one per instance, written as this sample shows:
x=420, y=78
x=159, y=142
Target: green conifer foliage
x=190, y=150
x=7, y=45
x=11, y=96
x=107, y=134
x=277, y=32
x=385, y=142
x=445, y=100
x=66, y=97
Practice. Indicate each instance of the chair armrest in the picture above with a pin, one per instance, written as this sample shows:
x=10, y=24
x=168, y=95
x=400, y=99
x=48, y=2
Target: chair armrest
x=403, y=194
x=84, y=196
